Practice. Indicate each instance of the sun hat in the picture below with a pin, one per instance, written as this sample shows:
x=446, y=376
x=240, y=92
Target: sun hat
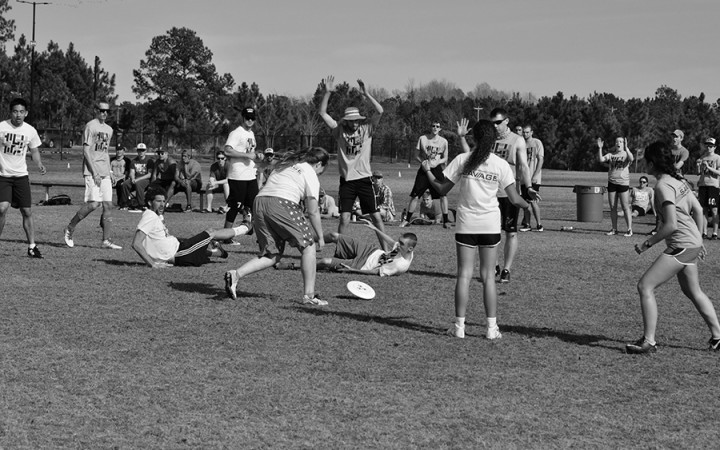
x=352, y=114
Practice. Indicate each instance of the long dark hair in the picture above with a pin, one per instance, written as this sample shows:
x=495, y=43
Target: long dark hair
x=310, y=155
x=660, y=155
x=484, y=134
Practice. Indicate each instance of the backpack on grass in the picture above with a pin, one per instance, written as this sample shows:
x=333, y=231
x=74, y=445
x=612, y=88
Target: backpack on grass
x=61, y=199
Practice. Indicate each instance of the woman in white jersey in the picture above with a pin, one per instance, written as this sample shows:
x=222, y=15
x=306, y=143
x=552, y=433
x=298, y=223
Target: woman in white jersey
x=279, y=219
x=680, y=216
x=479, y=174
x=619, y=160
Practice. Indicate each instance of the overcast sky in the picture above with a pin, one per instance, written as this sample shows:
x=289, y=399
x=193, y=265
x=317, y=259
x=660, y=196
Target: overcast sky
x=625, y=47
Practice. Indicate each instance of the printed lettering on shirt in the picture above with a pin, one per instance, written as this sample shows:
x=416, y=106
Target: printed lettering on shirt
x=617, y=162
x=433, y=153
x=15, y=144
x=483, y=175
x=502, y=149
x=353, y=144
x=250, y=144
x=102, y=142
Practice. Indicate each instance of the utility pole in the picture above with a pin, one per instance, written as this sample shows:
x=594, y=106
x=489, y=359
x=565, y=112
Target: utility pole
x=478, y=109
x=32, y=53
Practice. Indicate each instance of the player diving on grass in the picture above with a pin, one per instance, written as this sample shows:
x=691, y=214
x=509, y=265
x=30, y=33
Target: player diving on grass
x=391, y=257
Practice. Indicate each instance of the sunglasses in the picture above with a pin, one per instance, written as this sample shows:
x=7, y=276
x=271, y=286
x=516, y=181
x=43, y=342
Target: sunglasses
x=498, y=122
x=104, y=110
x=436, y=126
x=221, y=158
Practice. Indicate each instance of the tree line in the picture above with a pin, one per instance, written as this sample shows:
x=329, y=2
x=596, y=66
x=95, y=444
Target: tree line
x=185, y=103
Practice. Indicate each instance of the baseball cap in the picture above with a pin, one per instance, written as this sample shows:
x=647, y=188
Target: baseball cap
x=710, y=141
x=269, y=151
x=248, y=113
x=322, y=192
x=377, y=174
x=141, y=147
x=679, y=134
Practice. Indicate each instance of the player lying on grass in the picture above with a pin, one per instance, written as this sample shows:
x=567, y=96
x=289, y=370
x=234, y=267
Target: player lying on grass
x=352, y=255
x=159, y=249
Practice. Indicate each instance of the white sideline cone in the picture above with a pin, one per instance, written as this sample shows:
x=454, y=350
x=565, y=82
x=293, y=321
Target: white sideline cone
x=399, y=174
x=68, y=165
x=408, y=166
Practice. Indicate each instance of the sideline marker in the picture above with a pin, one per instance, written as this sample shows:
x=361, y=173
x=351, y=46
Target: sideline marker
x=399, y=174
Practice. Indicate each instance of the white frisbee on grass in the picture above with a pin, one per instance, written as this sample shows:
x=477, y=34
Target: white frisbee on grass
x=361, y=290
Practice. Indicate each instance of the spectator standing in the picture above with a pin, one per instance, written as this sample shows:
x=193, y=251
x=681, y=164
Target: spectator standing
x=709, y=187
x=241, y=172
x=535, y=160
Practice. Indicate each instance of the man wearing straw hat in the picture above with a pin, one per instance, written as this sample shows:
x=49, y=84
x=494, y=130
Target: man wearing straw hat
x=353, y=135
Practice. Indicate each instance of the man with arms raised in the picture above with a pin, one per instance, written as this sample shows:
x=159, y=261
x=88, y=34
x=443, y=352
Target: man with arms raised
x=16, y=137
x=96, y=171
x=353, y=136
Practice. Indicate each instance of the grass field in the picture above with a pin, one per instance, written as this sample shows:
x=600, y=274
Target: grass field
x=99, y=351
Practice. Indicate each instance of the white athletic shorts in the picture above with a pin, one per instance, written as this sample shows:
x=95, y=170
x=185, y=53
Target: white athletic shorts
x=93, y=193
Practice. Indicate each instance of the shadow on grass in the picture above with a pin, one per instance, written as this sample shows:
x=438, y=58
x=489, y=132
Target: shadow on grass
x=590, y=340
x=118, y=262
x=432, y=274
x=400, y=322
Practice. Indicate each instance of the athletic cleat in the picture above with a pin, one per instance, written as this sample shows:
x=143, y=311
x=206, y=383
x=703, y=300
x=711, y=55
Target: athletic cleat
x=525, y=227
x=641, y=346
x=456, y=331
x=540, y=228
x=284, y=265
x=223, y=253
x=653, y=232
x=188, y=208
x=314, y=301
x=231, y=241
x=34, y=252
x=612, y=232
x=714, y=237
x=705, y=236
x=404, y=224
x=107, y=244
x=628, y=234
x=493, y=333
x=231, y=281
x=505, y=276
x=68, y=238
x=497, y=271
x=714, y=344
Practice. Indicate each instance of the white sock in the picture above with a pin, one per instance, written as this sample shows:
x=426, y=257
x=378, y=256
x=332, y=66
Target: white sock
x=241, y=230
x=460, y=321
x=31, y=245
x=492, y=322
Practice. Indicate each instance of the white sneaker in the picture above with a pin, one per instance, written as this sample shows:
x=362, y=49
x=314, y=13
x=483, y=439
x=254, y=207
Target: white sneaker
x=404, y=224
x=68, y=238
x=231, y=281
x=107, y=244
x=456, y=331
x=314, y=301
x=628, y=234
x=612, y=232
x=493, y=333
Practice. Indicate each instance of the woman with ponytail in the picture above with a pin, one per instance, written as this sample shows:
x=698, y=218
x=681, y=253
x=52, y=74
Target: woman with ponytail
x=480, y=174
x=680, y=215
x=279, y=218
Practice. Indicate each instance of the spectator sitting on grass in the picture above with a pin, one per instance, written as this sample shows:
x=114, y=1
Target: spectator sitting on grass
x=159, y=249
x=327, y=206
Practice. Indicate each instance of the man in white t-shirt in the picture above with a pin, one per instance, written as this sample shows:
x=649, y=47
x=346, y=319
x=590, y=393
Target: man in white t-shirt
x=241, y=170
x=16, y=137
x=159, y=249
x=96, y=173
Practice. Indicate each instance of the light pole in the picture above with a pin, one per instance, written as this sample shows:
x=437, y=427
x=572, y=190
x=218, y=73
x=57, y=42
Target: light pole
x=32, y=53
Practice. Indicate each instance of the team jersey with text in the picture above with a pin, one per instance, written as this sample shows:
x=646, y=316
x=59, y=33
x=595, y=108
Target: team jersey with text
x=708, y=178
x=477, y=209
x=243, y=141
x=680, y=194
x=506, y=149
x=619, y=168
x=18, y=140
x=433, y=149
x=97, y=137
x=641, y=198
x=353, y=151
x=535, y=151
x=293, y=183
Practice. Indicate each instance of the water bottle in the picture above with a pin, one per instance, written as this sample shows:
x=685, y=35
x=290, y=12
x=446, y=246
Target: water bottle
x=566, y=228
